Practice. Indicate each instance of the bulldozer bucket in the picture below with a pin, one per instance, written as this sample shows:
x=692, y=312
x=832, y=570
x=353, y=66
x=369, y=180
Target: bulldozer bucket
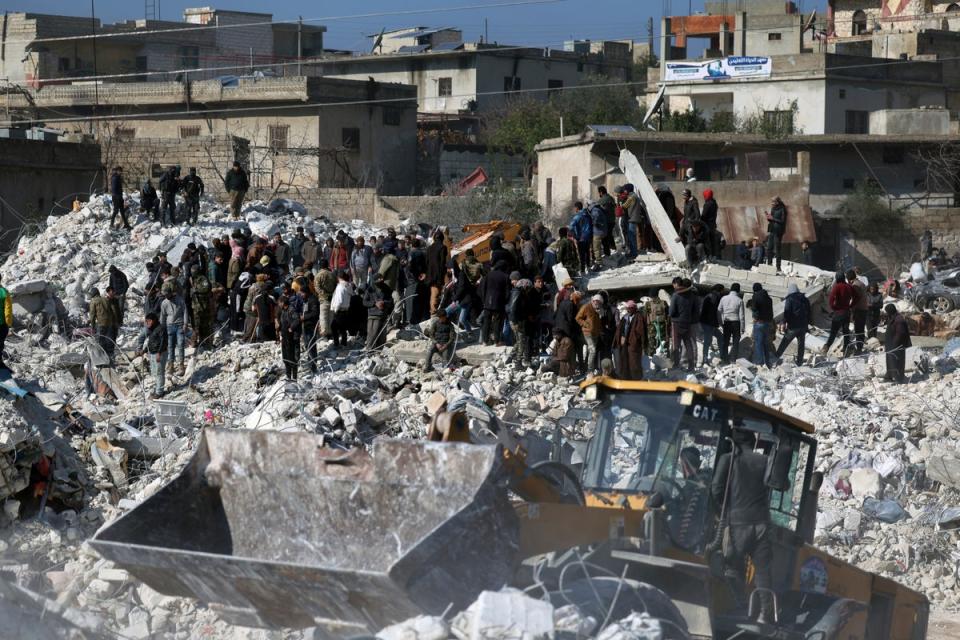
x=288, y=534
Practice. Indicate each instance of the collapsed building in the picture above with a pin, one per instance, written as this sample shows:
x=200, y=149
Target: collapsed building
x=75, y=456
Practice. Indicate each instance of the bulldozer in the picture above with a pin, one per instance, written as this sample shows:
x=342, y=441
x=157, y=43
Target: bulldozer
x=610, y=509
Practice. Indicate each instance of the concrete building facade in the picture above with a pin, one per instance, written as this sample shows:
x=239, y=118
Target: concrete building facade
x=302, y=132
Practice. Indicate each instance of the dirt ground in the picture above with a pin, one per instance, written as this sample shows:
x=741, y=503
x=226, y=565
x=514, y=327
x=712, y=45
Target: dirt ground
x=944, y=625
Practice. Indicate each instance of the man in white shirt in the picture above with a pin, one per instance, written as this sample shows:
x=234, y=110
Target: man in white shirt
x=340, y=307
x=733, y=321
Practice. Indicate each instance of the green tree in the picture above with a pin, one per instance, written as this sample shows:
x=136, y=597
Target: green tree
x=689, y=121
x=600, y=100
x=521, y=124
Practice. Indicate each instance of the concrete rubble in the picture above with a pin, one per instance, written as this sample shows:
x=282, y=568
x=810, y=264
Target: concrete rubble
x=879, y=445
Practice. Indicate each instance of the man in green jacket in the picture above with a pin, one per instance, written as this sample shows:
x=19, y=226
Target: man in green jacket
x=236, y=183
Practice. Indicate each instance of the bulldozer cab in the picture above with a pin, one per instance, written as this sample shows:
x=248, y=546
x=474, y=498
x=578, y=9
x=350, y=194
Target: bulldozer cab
x=657, y=445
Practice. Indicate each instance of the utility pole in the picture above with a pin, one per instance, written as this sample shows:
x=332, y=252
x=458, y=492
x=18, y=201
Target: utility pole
x=486, y=31
x=650, y=39
x=96, y=80
x=299, y=45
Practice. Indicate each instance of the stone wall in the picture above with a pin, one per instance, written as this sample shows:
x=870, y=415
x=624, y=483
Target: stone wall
x=149, y=157
x=886, y=251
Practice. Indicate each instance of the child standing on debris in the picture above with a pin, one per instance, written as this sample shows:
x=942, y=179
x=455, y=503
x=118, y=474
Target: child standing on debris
x=874, y=308
x=173, y=317
x=442, y=335
x=154, y=344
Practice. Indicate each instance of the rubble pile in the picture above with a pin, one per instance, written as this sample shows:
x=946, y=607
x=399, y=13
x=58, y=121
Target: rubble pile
x=889, y=502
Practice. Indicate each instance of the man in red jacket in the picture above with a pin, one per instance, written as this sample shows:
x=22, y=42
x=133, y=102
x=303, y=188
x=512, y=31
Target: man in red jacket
x=841, y=302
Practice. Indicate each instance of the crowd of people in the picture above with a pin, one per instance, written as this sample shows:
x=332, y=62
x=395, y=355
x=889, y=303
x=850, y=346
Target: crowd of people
x=340, y=288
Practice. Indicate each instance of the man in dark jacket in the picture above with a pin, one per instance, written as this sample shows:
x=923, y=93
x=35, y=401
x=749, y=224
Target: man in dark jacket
x=740, y=490
x=708, y=215
x=290, y=328
x=103, y=319
x=762, y=326
x=149, y=201
x=776, y=227
x=119, y=283
x=116, y=194
x=154, y=345
x=683, y=313
x=236, y=183
x=437, y=256
x=796, y=319
x=378, y=300
x=896, y=343
x=606, y=202
x=691, y=208
x=192, y=187
x=310, y=318
x=710, y=320
x=442, y=336
x=169, y=186
x=494, y=291
x=416, y=292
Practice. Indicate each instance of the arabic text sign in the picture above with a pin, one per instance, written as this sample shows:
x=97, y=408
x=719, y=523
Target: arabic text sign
x=731, y=67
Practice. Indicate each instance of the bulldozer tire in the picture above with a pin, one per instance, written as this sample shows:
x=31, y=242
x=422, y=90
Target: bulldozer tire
x=633, y=596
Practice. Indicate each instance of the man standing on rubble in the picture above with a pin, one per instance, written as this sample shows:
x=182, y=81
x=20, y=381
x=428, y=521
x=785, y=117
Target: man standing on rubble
x=520, y=310
x=437, y=255
x=116, y=195
x=173, y=316
x=607, y=203
x=154, y=345
x=378, y=300
x=119, y=283
x=236, y=183
x=733, y=322
x=567, y=253
x=708, y=216
x=290, y=329
x=325, y=283
x=841, y=303
x=861, y=306
x=796, y=319
x=149, y=201
x=102, y=320
x=630, y=342
x=310, y=318
x=200, y=300
x=588, y=317
x=361, y=262
x=296, y=248
x=710, y=320
x=740, y=488
x=192, y=187
x=310, y=252
x=776, y=227
x=896, y=342
x=762, y=326
x=683, y=311
x=169, y=186
x=493, y=292
x=6, y=321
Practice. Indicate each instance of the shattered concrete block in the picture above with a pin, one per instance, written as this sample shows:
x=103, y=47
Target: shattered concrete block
x=944, y=469
x=436, y=403
x=418, y=628
x=138, y=625
x=636, y=626
x=331, y=416
x=113, y=575
x=570, y=619
x=348, y=415
x=865, y=483
x=379, y=413
x=506, y=614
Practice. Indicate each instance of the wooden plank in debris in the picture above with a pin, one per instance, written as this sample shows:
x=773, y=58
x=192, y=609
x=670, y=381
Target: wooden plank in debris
x=661, y=222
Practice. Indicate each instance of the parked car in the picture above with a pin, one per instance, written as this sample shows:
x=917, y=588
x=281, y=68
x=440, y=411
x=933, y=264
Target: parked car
x=940, y=295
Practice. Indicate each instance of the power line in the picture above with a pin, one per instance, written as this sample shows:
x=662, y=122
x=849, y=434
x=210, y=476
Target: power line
x=388, y=101
x=380, y=14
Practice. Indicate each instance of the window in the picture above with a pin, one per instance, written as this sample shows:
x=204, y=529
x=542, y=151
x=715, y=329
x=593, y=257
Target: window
x=857, y=122
x=190, y=57
x=859, y=22
x=554, y=86
x=779, y=122
x=848, y=183
x=445, y=87
x=843, y=94
x=63, y=65
x=893, y=155
x=190, y=132
x=125, y=133
x=511, y=83
x=351, y=137
x=392, y=116
x=773, y=36
x=277, y=135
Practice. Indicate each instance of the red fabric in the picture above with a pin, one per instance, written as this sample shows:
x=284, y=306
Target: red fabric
x=841, y=297
x=338, y=259
x=707, y=193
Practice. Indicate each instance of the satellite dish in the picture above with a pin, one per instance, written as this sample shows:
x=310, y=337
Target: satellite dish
x=378, y=42
x=809, y=23
x=654, y=107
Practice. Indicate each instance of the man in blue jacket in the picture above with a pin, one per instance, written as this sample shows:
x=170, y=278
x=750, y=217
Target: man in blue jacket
x=796, y=319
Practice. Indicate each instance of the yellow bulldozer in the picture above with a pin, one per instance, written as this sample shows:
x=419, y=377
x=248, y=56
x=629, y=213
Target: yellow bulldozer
x=611, y=510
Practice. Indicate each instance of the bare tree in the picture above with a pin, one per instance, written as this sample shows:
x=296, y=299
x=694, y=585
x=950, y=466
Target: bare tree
x=942, y=165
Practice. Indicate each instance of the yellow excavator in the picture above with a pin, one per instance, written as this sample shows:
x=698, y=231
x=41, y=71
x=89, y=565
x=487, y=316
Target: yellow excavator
x=612, y=510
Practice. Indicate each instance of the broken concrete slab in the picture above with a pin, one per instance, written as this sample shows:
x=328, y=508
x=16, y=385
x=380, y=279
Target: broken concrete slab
x=507, y=614
x=436, y=403
x=661, y=222
x=635, y=276
x=477, y=354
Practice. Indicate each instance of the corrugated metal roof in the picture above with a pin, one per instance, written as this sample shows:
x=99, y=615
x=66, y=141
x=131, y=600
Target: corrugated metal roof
x=743, y=223
x=413, y=48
